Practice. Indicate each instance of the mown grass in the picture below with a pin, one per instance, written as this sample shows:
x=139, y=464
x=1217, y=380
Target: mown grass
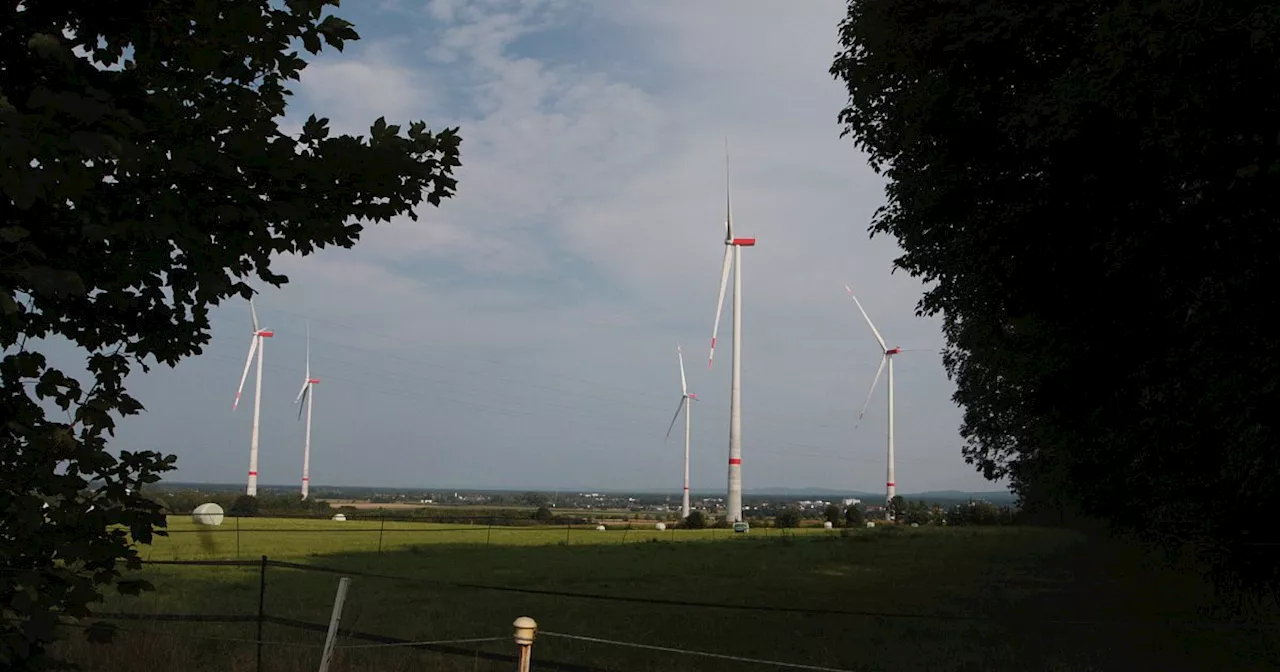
x=965, y=599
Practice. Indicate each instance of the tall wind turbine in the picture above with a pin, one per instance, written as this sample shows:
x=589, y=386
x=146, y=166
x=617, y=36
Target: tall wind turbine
x=686, y=398
x=256, y=344
x=305, y=393
x=886, y=359
x=732, y=258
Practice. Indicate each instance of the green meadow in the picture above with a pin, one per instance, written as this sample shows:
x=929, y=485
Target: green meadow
x=928, y=598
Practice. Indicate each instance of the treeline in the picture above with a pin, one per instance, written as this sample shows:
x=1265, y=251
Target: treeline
x=1090, y=189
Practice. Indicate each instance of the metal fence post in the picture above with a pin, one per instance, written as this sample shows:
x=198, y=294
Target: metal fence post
x=526, y=630
x=262, y=596
x=334, y=619
x=237, y=537
x=380, y=530
x=567, y=526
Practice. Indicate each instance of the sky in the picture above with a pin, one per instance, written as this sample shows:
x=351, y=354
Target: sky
x=524, y=334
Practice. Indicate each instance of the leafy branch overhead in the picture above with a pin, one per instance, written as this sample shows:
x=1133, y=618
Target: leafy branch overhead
x=145, y=180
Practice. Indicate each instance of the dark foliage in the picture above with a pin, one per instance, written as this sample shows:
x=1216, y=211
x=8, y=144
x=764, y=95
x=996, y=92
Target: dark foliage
x=695, y=521
x=145, y=180
x=244, y=506
x=832, y=514
x=854, y=516
x=1090, y=190
x=787, y=518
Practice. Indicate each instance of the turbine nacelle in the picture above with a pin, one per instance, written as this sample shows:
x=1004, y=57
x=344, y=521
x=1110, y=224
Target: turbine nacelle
x=893, y=351
x=264, y=333
x=742, y=242
x=313, y=381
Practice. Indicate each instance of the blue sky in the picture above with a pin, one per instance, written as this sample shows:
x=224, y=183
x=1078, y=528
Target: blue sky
x=523, y=335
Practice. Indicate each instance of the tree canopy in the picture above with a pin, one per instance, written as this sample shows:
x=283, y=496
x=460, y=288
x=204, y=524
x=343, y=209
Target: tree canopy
x=1089, y=191
x=145, y=180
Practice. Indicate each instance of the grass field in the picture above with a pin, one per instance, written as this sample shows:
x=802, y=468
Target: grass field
x=964, y=599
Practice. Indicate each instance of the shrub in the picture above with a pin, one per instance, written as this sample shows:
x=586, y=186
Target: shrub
x=787, y=518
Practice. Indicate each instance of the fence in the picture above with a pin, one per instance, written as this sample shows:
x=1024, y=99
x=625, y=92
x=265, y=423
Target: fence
x=471, y=648
x=448, y=647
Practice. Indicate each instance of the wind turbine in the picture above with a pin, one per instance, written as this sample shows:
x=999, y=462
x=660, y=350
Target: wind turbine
x=256, y=344
x=886, y=359
x=732, y=258
x=305, y=393
x=685, y=398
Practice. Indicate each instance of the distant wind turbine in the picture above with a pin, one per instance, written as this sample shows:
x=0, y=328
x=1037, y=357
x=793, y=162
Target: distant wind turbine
x=732, y=258
x=886, y=359
x=686, y=398
x=306, y=393
x=256, y=344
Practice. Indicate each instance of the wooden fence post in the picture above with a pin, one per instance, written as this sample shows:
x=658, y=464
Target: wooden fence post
x=526, y=630
x=262, y=600
x=380, y=530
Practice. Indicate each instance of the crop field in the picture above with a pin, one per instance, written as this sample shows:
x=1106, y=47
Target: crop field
x=867, y=599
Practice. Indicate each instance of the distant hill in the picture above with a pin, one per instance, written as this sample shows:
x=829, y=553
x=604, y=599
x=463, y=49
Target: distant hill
x=994, y=496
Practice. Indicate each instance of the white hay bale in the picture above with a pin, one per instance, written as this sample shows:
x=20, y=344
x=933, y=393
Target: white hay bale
x=600, y=528
x=207, y=514
x=660, y=527
x=827, y=525
x=870, y=524
x=341, y=518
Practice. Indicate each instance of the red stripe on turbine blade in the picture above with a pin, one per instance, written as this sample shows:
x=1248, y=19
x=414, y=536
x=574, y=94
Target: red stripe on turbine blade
x=744, y=242
x=735, y=460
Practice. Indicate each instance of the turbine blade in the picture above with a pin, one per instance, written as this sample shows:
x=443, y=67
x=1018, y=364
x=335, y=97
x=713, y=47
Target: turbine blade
x=254, y=313
x=302, y=394
x=253, y=347
x=308, y=350
x=874, y=382
x=724, y=285
x=306, y=389
x=674, y=418
x=868, y=319
x=684, y=387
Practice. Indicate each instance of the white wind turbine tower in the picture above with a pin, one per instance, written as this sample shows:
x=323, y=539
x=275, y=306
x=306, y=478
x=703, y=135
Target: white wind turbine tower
x=256, y=344
x=306, y=393
x=885, y=360
x=686, y=398
x=732, y=258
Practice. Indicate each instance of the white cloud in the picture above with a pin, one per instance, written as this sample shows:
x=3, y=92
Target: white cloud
x=584, y=242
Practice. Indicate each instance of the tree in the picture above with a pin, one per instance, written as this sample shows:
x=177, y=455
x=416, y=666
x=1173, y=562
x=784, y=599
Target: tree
x=245, y=506
x=695, y=520
x=788, y=517
x=146, y=180
x=1088, y=188
x=832, y=514
x=854, y=516
x=543, y=514
x=897, y=508
x=917, y=513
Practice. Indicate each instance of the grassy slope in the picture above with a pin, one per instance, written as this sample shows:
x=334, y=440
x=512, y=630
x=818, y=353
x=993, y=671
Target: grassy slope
x=1012, y=579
